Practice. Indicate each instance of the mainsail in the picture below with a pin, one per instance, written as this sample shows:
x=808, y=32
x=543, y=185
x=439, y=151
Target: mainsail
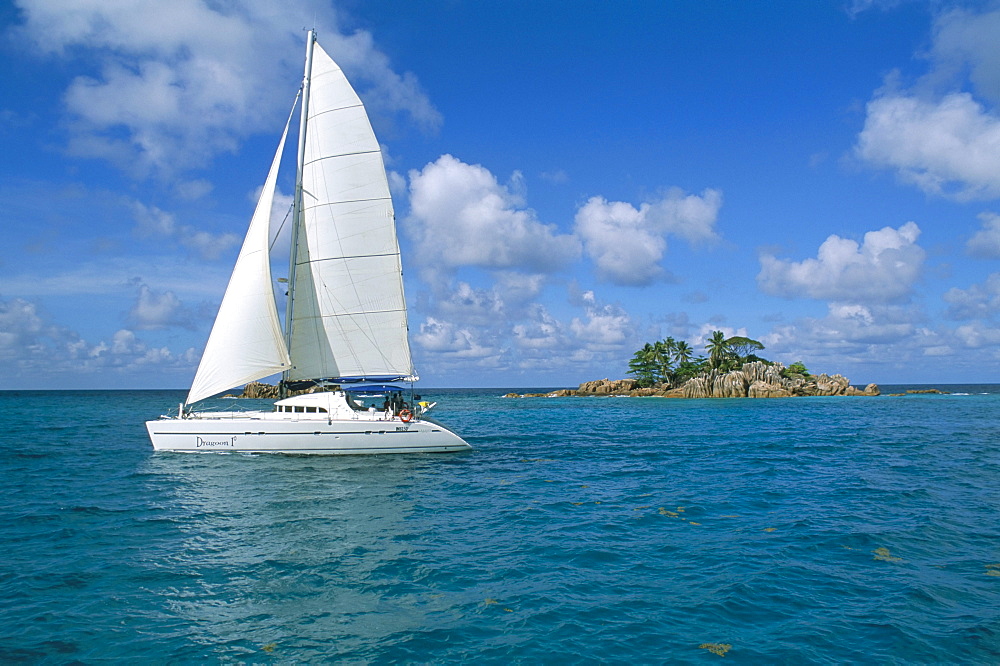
x=246, y=341
x=347, y=310
x=348, y=314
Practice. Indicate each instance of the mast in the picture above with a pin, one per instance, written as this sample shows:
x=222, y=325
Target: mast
x=297, y=202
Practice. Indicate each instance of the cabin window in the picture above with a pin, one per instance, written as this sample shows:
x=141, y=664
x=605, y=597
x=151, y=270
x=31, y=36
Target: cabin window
x=322, y=410
x=299, y=409
x=311, y=410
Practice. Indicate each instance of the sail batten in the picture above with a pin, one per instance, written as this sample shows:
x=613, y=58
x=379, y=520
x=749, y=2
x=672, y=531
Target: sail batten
x=330, y=157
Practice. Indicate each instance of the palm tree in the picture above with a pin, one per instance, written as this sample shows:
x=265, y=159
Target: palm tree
x=643, y=365
x=663, y=354
x=682, y=352
x=718, y=350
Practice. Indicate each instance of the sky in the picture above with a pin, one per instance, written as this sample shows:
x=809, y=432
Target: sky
x=571, y=180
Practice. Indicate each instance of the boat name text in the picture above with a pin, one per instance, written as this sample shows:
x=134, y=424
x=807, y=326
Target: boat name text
x=216, y=442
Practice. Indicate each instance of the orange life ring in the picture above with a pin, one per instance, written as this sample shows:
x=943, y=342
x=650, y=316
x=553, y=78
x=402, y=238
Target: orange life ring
x=405, y=415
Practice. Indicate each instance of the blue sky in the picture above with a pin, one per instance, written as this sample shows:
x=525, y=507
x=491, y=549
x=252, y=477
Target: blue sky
x=571, y=180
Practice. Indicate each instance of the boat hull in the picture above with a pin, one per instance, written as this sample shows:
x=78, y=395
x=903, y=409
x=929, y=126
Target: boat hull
x=241, y=434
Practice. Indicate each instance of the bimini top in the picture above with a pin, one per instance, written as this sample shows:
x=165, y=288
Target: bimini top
x=374, y=388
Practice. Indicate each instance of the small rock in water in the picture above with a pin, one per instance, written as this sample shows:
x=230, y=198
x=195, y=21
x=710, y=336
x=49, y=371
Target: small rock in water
x=884, y=555
x=716, y=648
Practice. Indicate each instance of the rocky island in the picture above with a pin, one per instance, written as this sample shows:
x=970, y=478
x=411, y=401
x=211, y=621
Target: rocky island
x=753, y=380
x=731, y=369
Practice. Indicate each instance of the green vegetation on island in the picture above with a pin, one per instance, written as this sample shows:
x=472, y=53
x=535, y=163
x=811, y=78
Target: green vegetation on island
x=671, y=362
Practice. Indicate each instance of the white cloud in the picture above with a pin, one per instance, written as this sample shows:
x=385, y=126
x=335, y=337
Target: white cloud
x=179, y=81
x=881, y=270
x=604, y=327
x=937, y=136
x=980, y=301
x=627, y=243
x=857, y=340
x=985, y=243
x=966, y=41
x=456, y=343
x=192, y=190
x=476, y=307
x=122, y=276
x=153, y=222
x=949, y=147
x=22, y=329
x=33, y=350
x=504, y=328
x=154, y=310
x=461, y=216
x=541, y=332
x=518, y=288
x=977, y=334
x=859, y=6
x=557, y=177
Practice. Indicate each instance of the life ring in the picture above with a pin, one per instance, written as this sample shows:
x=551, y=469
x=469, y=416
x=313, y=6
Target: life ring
x=405, y=415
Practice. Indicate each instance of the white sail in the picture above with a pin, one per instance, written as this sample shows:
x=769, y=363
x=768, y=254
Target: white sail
x=246, y=342
x=348, y=313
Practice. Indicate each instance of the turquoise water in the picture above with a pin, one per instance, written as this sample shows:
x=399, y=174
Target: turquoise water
x=579, y=530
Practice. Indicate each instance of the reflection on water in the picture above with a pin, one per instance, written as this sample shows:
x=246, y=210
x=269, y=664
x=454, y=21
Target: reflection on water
x=279, y=551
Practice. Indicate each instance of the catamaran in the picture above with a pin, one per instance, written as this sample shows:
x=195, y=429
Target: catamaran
x=345, y=316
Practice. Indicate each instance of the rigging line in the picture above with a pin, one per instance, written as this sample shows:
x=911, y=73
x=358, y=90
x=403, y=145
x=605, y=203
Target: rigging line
x=270, y=247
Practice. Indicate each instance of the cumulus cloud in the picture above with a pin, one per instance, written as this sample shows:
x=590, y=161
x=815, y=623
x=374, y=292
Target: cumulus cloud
x=858, y=340
x=605, y=326
x=627, y=243
x=453, y=342
x=156, y=223
x=34, y=349
x=978, y=334
x=880, y=270
x=949, y=147
x=461, y=216
x=985, y=243
x=502, y=327
x=477, y=307
x=980, y=301
x=23, y=330
x=938, y=136
x=177, y=82
x=966, y=41
x=540, y=332
x=154, y=310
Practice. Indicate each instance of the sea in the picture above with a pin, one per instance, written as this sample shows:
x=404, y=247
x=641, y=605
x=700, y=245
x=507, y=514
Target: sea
x=822, y=530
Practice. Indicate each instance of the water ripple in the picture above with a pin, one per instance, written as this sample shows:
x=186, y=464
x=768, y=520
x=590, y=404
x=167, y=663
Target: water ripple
x=579, y=530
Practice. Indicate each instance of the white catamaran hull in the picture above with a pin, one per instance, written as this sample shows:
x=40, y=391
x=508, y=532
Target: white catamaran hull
x=248, y=433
